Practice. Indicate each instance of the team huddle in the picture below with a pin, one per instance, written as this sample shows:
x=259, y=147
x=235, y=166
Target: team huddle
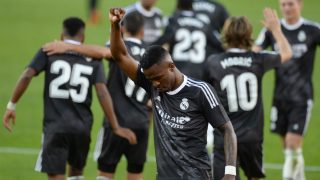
x=197, y=69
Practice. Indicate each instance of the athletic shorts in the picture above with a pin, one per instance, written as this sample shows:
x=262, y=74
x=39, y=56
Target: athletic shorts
x=249, y=159
x=293, y=118
x=110, y=148
x=58, y=149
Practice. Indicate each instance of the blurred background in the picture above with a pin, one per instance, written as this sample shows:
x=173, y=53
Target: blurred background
x=25, y=25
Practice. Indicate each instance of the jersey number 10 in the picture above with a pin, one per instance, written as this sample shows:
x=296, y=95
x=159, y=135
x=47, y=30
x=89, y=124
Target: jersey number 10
x=243, y=88
x=75, y=78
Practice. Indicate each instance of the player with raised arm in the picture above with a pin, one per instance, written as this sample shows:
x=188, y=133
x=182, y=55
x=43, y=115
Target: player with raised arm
x=293, y=92
x=182, y=109
x=68, y=118
x=187, y=38
x=237, y=77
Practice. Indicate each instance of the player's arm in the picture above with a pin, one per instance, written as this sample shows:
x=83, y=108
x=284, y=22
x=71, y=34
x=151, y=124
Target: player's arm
x=21, y=86
x=230, y=149
x=271, y=22
x=95, y=51
x=107, y=106
x=117, y=46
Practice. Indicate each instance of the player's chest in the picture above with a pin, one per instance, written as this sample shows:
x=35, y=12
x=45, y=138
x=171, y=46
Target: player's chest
x=177, y=112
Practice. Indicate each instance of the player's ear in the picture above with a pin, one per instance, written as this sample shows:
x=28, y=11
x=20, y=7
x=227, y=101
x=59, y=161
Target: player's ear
x=172, y=66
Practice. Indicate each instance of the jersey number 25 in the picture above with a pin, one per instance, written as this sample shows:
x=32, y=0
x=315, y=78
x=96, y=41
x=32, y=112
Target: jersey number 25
x=73, y=77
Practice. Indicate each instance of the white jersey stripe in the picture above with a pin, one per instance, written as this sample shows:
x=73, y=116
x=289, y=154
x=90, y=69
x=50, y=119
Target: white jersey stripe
x=209, y=95
x=308, y=117
x=208, y=89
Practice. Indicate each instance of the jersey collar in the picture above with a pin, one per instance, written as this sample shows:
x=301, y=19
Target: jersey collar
x=143, y=11
x=183, y=84
x=237, y=50
x=70, y=41
x=292, y=26
x=135, y=40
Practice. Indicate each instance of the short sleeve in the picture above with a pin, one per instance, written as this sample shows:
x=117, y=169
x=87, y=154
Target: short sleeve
x=263, y=39
x=142, y=81
x=39, y=61
x=100, y=76
x=270, y=60
x=213, y=110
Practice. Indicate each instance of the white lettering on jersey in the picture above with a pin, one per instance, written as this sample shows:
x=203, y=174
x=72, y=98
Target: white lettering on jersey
x=187, y=21
x=298, y=50
x=204, y=6
x=174, y=122
x=236, y=61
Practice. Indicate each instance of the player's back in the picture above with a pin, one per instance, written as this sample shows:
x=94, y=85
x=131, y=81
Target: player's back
x=237, y=76
x=68, y=91
x=187, y=42
x=131, y=109
x=153, y=22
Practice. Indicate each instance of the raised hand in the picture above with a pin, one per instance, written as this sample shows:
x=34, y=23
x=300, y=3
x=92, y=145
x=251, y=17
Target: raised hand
x=10, y=115
x=116, y=14
x=127, y=134
x=271, y=20
x=56, y=47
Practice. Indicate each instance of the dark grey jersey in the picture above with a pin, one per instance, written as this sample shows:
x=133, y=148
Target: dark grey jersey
x=188, y=38
x=153, y=22
x=294, y=78
x=67, y=94
x=129, y=100
x=181, y=119
x=214, y=14
x=237, y=77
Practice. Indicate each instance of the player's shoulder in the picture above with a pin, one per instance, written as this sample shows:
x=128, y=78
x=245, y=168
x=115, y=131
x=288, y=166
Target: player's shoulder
x=311, y=24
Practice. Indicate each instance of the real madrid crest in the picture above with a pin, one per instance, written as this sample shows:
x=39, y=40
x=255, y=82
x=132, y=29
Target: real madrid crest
x=302, y=36
x=184, y=105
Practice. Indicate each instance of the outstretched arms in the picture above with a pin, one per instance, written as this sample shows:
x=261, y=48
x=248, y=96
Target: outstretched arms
x=271, y=22
x=22, y=85
x=95, y=51
x=106, y=104
x=117, y=46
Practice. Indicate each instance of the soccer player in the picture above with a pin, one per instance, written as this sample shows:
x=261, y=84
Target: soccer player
x=67, y=98
x=93, y=11
x=182, y=108
x=213, y=13
x=153, y=19
x=188, y=37
x=237, y=77
x=130, y=98
x=293, y=93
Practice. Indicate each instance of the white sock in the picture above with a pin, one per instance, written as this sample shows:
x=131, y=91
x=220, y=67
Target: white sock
x=75, y=178
x=287, y=171
x=103, y=178
x=298, y=173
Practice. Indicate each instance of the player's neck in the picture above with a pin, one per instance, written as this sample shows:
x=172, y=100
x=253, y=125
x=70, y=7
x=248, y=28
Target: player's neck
x=179, y=80
x=292, y=21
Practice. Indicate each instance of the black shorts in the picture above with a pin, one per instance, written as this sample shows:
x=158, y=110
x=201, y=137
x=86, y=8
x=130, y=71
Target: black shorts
x=110, y=148
x=293, y=118
x=249, y=159
x=58, y=149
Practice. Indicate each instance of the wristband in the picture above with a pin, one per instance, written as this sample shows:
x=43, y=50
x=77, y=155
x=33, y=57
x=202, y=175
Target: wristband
x=230, y=170
x=11, y=106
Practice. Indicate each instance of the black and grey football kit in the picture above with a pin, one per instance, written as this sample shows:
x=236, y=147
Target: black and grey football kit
x=154, y=22
x=188, y=37
x=237, y=77
x=67, y=115
x=131, y=111
x=214, y=14
x=293, y=93
x=181, y=119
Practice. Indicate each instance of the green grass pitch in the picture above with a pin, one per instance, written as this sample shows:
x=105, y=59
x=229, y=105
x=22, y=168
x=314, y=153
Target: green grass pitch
x=26, y=25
